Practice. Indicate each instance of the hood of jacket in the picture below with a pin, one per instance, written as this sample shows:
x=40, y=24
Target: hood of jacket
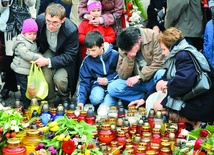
x=107, y=51
x=183, y=45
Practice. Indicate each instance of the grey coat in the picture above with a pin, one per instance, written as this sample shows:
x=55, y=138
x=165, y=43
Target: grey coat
x=186, y=15
x=25, y=51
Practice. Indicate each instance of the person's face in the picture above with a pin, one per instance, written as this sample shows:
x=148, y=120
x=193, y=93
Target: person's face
x=95, y=13
x=132, y=53
x=4, y=4
x=165, y=50
x=53, y=23
x=95, y=51
x=30, y=35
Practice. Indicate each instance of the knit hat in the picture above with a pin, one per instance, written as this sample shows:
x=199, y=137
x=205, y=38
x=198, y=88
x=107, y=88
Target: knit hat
x=93, y=4
x=29, y=25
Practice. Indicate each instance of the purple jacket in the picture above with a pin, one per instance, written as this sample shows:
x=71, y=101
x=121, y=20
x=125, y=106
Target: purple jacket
x=109, y=11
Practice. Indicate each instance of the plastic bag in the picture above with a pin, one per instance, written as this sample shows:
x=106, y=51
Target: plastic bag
x=152, y=99
x=37, y=86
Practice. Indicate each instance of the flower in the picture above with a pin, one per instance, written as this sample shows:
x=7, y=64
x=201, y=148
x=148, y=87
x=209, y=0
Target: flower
x=68, y=146
x=135, y=12
x=67, y=136
x=10, y=124
x=204, y=133
x=42, y=152
x=198, y=141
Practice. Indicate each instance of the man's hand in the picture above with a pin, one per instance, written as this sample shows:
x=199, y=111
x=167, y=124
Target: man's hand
x=132, y=81
x=137, y=103
x=42, y=62
x=157, y=29
x=102, y=81
x=81, y=105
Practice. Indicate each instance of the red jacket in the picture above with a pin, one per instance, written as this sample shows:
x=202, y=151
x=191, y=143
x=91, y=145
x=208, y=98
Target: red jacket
x=107, y=32
x=84, y=27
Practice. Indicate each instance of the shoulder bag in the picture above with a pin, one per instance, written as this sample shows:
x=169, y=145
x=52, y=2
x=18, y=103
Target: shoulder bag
x=202, y=85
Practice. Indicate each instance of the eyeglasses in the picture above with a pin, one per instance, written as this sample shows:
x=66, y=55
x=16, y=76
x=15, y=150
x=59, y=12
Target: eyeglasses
x=54, y=23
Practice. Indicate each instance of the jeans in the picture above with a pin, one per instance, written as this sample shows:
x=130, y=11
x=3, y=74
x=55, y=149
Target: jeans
x=22, y=82
x=120, y=90
x=100, y=96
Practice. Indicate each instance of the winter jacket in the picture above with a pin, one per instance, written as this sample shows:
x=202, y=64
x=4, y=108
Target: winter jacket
x=199, y=108
x=152, y=53
x=186, y=15
x=67, y=50
x=110, y=9
x=92, y=68
x=208, y=49
x=25, y=51
x=107, y=32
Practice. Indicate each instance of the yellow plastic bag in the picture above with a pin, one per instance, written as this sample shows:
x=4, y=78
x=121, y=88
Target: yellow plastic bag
x=37, y=86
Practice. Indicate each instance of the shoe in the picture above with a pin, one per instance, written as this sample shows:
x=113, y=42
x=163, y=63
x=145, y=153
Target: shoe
x=5, y=93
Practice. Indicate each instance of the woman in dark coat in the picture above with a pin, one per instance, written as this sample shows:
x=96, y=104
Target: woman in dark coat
x=178, y=82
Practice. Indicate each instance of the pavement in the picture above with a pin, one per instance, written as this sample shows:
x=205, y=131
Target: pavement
x=10, y=101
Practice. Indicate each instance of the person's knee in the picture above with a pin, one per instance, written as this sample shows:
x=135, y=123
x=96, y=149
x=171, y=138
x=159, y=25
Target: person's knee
x=113, y=89
x=61, y=80
x=95, y=99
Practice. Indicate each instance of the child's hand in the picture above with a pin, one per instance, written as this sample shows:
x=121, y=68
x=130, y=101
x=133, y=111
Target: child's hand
x=38, y=55
x=102, y=81
x=94, y=21
x=90, y=17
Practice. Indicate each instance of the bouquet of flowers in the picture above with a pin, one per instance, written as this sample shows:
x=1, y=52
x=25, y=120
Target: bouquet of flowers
x=10, y=125
x=67, y=136
x=135, y=11
x=198, y=142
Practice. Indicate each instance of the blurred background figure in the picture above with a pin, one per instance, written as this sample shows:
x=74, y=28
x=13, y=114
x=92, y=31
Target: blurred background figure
x=156, y=12
x=186, y=16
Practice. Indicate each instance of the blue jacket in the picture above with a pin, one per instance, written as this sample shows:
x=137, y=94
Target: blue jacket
x=208, y=43
x=92, y=68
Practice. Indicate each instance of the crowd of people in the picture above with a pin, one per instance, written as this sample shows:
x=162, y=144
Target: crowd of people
x=79, y=57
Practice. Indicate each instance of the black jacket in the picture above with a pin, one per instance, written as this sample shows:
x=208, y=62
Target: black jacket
x=67, y=50
x=154, y=7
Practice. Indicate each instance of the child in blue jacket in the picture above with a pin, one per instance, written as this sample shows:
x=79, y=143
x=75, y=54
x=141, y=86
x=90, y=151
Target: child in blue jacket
x=97, y=70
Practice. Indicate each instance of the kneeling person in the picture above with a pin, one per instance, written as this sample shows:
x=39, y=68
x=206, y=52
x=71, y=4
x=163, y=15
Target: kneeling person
x=98, y=69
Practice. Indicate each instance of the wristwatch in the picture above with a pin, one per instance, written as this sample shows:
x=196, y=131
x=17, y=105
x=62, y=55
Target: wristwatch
x=139, y=78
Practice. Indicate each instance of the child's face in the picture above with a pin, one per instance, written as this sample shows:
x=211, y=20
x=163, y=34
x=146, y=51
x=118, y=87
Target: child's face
x=95, y=13
x=96, y=51
x=30, y=35
x=4, y=4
